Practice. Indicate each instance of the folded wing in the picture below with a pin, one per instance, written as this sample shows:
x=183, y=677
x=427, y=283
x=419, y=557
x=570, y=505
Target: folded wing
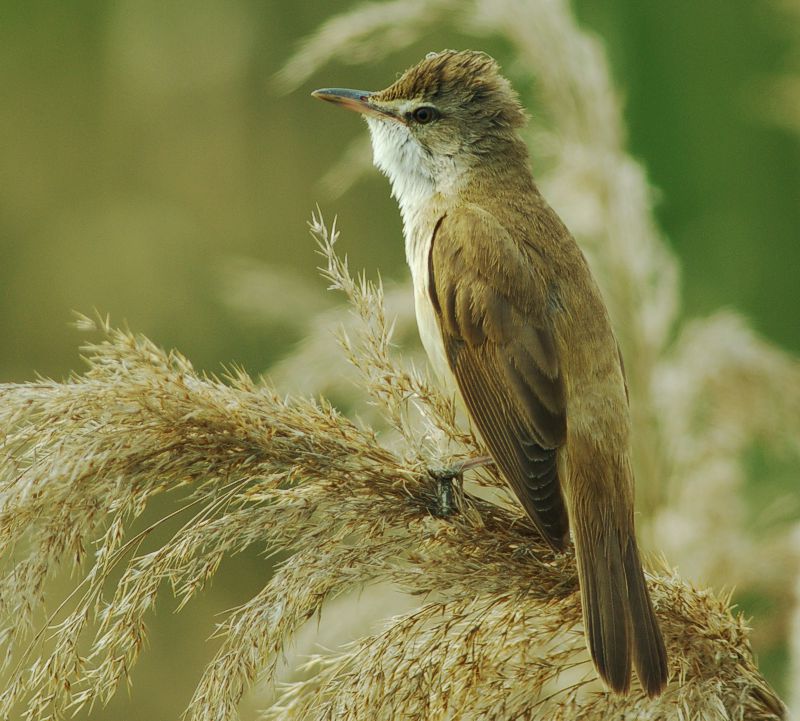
x=492, y=308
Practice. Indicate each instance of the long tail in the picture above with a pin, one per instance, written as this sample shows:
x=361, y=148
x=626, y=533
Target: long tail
x=621, y=627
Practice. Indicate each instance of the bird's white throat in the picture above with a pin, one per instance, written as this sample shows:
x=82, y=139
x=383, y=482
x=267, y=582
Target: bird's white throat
x=420, y=180
x=400, y=157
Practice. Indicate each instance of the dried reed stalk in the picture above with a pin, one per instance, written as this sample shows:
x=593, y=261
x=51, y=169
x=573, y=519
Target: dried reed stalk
x=497, y=632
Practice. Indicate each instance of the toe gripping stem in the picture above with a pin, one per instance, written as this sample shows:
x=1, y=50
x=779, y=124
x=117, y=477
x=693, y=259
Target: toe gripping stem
x=446, y=503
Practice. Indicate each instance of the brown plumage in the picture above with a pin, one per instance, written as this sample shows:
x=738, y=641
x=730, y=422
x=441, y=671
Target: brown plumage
x=507, y=304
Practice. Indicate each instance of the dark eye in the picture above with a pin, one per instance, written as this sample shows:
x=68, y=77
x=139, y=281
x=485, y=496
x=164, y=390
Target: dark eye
x=425, y=114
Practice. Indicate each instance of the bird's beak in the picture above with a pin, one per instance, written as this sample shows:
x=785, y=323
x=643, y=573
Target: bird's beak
x=358, y=100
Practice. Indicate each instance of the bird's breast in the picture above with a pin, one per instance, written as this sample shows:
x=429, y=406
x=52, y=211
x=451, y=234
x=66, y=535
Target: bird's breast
x=418, y=237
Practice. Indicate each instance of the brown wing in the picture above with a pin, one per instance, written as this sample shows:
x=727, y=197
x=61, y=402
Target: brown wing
x=492, y=309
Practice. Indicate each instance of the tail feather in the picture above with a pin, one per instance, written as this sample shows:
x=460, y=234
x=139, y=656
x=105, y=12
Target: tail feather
x=606, y=610
x=621, y=627
x=649, y=655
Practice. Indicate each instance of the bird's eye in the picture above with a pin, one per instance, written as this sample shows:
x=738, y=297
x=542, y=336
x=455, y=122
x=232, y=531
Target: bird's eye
x=425, y=114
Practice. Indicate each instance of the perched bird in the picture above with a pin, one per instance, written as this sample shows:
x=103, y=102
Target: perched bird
x=506, y=303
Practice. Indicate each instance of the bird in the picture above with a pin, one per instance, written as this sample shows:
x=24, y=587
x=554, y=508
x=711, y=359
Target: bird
x=508, y=309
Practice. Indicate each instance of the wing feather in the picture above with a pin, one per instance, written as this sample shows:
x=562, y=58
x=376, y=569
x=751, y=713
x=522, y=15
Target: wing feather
x=499, y=343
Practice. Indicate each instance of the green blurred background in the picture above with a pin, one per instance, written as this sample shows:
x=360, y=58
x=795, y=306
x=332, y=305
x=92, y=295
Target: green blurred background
x=143, y=146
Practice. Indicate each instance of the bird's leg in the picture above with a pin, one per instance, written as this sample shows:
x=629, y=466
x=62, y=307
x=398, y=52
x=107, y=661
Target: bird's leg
x=445, y=495
x=444, y=477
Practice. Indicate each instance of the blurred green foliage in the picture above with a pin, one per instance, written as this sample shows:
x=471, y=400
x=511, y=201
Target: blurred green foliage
x=142, y=144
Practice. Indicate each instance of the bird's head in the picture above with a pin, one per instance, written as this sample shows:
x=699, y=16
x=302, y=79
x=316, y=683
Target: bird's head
x=443, y=116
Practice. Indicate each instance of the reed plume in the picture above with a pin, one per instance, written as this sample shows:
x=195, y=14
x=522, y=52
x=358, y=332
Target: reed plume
x=495, y=634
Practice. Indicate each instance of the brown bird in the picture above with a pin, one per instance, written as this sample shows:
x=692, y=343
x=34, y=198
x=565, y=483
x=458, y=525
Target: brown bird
x=506, y=303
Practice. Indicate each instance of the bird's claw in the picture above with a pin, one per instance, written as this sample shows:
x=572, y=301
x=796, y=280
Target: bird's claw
x=445, y=493
x=446, y=504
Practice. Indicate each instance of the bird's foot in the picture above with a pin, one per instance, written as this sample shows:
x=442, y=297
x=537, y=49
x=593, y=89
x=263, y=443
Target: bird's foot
x=446, y=504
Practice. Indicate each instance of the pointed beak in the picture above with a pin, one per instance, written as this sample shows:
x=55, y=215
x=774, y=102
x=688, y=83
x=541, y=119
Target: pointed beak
x=358, y=100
